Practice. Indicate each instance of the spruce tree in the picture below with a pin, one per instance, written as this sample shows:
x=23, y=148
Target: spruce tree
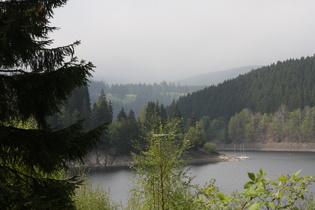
x=102, y=111
x=192, y=120
x=121, y=115
x=34, y=81
x=177, y=120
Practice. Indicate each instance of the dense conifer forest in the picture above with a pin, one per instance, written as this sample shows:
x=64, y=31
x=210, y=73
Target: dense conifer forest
x=264, y=90
x=273, y=103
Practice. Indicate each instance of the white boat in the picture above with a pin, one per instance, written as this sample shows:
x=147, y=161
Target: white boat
x=243, y=156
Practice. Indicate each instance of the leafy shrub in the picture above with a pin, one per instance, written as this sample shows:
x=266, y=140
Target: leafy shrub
x=91, y=197
x=286, y=192
x=210, y=148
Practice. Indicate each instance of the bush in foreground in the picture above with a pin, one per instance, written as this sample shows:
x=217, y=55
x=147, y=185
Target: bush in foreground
x=91, y=197
x=286, y=192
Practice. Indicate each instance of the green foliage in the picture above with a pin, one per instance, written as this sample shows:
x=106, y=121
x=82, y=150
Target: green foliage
x=76, y=108
x=127, y=99
x=210, y=148
x=35, y=80
x=262, y=90
x=93, y=197
x=286, y=192
x=102, y=111
x=295, y=126
x=153, y=117
x=176, y=114
x=196, y=137
x=123, y=133
x=161, y=180
x=192, y=120
x=133, y=96
x=121, y=115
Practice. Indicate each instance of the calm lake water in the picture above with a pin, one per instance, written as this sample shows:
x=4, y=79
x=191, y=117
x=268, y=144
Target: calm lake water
x=230, y=176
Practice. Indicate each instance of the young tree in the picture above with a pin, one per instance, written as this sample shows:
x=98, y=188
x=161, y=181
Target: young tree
x=196, y=136
x=161, y=180
x=34, y=81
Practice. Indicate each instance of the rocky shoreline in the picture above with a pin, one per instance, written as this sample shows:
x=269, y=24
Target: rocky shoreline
x=101, y=159
x=270, y=146
x=97, y=159
x=213, y=159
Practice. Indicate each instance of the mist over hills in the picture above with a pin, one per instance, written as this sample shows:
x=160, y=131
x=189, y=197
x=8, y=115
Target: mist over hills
x=206, y=79
x=135, y=95
x=214, y=78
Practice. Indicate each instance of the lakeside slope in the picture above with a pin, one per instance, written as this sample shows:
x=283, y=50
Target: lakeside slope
x=100, y=159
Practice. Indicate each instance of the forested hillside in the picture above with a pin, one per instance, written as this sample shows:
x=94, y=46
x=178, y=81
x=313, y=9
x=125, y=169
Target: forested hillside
x=263, y=90
x=274, y=103
x=134, y=96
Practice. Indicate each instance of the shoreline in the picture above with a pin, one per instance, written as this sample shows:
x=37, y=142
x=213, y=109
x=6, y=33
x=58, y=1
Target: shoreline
x=97, y=159
x=102, y=160
x=269, y=147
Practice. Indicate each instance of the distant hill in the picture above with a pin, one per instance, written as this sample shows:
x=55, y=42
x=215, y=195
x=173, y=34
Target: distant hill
x=290, y=82
x=134, y=96
x=214, y=78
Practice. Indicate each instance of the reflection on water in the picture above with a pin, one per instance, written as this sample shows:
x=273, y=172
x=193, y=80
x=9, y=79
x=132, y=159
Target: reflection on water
x=230, y=176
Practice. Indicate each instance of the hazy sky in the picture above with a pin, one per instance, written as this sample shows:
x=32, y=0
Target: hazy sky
x=151, y=41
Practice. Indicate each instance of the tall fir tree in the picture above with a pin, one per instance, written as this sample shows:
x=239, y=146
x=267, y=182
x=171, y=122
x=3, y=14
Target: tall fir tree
x=163, y=115
x=34, y=81
x=78, y=107
x=177, y=120
x=102, y=111
x=192, y=120
x=121, y=115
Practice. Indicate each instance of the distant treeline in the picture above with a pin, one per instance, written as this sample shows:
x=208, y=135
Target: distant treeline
x=134, y=96
x=126, y=130
x=249, y=127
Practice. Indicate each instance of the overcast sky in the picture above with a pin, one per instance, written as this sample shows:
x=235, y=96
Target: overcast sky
x=150, y=41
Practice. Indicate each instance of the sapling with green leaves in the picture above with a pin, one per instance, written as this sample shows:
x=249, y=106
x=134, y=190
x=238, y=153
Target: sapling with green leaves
x=162, y=181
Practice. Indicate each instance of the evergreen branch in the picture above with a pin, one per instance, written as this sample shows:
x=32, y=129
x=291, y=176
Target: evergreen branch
x=41, y=80
x=53, y=148
x=12, y=71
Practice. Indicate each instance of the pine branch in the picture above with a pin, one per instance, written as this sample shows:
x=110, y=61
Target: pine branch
x=52, y=148
x=13, y=71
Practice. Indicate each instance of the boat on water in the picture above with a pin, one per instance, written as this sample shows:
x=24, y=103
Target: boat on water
x=243, y=156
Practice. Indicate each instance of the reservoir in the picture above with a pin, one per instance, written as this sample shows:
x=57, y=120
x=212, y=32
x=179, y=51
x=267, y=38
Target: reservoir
x=230, y=176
